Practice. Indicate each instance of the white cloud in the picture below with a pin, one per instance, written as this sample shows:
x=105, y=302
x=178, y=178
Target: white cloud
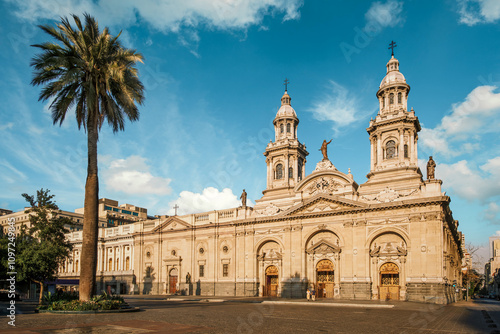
x=337, y=106
x=469, y=182
x=381, y=15
x=132, y=176
x=6, y=126
x=478, y=114
x=473, y=12
x=209, y=199
x=164, y=15
x=492, y=213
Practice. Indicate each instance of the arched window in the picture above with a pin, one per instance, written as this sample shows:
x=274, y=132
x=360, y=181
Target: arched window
x=288, y=127
x=399, y=98
x=383, y=102
x=279, y=171
x=391, y=98
x=390, y=149
x=406, y=151
x=76, y=266
x=290, y=172
x=127, y=263
x=281, y=128
x=110, y=264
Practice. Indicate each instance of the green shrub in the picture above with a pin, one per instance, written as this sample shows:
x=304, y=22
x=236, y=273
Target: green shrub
x=68, y=302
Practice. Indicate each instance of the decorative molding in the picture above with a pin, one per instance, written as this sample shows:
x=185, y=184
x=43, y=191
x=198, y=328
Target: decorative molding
x=325, y=166
x=322, y=185
x=389, y=195
x=270, y=210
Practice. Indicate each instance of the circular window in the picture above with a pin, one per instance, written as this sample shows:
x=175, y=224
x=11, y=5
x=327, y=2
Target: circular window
x=174, y=252
x=148, y=255
x=202, y=251
x=225, y=249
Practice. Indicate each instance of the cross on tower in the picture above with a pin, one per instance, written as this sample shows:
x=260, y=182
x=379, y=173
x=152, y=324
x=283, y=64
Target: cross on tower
x=175, y=208
x=392, y=45
x=286, y=84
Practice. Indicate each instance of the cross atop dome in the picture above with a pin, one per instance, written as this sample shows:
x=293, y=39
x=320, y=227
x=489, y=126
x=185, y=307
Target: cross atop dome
x=392, y=45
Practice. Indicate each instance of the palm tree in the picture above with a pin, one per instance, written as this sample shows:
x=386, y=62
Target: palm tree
x=91, y=73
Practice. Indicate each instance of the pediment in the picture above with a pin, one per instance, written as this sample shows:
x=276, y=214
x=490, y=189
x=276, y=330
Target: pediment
x=323, y=247
x=326, y=182
x=323, y=203
x=172, y=223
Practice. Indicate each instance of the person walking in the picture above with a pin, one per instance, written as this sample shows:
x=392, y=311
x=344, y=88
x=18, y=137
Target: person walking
x=308, y=294
x=313, y=294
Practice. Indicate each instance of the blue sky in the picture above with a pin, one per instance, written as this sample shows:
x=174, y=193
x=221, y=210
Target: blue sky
x=214, y=74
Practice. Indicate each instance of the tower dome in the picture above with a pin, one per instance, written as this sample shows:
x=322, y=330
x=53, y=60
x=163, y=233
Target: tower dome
x=286, y=109
x=393, y=75
x=393, y=91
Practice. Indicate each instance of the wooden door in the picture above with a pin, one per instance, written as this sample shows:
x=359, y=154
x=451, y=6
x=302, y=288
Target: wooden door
x=324, y=279
x=172, y=284
x=272, y=279
x=389, y=282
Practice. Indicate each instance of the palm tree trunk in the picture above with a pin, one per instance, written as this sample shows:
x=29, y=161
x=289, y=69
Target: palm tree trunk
x=90, y=219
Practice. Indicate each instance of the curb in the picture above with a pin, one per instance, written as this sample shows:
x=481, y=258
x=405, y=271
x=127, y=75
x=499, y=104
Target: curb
x=329, y=304
x=131, y=309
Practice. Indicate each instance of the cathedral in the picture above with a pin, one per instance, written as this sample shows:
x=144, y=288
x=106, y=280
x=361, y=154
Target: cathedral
x=391, y=237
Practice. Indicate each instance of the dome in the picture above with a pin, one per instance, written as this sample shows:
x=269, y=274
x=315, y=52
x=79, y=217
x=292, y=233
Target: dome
x=286, y=109
x=393, y=75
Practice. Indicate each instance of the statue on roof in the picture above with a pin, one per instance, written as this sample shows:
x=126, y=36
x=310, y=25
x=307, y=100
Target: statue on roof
x=243, y=198
x=431, y=166
x=324, y=149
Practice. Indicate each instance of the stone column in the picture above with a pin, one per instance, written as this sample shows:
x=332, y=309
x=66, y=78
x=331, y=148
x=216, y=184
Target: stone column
x=412, y=148
x=373, y=158
x=379, y=150
x=270, y=175
x=401, y=153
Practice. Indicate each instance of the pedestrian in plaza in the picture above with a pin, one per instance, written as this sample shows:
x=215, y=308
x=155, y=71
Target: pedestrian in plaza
x=313, y=293
x=308, y=294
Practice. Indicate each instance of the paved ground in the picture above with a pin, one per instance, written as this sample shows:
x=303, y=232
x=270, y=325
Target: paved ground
x=256, y=315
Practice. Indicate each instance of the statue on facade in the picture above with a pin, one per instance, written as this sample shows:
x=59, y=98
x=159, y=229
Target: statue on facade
x=324, y=149
x=188, y=278
x=243, y=198
x=431, y=166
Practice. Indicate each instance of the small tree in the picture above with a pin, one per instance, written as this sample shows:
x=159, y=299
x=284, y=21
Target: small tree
x=43, y=246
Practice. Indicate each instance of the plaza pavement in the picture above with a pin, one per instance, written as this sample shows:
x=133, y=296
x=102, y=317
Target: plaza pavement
x=188, y=314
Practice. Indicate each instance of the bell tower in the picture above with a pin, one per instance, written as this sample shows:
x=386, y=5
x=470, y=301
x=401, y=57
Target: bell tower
x=394, y=133
x=286, y=156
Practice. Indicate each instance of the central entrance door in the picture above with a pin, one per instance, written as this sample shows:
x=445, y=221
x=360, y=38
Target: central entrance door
x=389, y=281
x=271, y=288
x=324, y=279
x=172, y=281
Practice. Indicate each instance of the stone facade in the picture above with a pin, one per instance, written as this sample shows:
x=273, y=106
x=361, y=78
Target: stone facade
x=392, y=237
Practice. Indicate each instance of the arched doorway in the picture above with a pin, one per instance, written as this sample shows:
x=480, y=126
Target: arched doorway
x=324, y=279
x=389, y=281
x=271, y=288
x=172, y=280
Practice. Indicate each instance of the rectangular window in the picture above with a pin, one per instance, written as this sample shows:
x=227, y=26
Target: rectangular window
x=126, y=212
x=135, y=213
x=202, y=270
x=116, y=210
x=108, y=208
x=225, y=270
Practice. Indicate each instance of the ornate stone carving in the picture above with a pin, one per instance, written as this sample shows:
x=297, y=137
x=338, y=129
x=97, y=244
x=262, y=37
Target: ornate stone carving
x=324, y=165
x=323, y=185
x=389, y=195
x=323, y=247
x=270, y=210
